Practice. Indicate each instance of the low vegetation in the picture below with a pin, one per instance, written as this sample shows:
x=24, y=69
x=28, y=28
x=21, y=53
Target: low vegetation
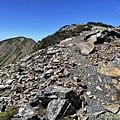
x=41, y=110
x=8, y=113
x=66, y=32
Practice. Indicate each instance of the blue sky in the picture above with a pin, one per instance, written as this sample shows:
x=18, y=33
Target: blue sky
x=38, y=18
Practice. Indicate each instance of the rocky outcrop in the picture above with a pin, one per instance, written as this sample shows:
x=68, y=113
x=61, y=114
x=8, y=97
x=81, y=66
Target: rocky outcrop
x=13, y=49
x=69, y=31
x=61, y=83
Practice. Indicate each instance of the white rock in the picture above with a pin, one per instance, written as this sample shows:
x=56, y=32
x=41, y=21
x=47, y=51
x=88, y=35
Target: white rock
x=2, y=87
x=9, y=81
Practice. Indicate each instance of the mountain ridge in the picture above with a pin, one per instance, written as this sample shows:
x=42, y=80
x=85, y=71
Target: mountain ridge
x=13, y=49
x=75, y=79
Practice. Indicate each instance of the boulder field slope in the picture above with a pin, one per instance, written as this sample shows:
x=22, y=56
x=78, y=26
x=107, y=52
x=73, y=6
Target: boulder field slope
x=75, y=79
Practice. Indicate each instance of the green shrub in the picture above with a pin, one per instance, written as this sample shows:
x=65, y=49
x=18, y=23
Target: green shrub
x=66, y=32
x=8, y=113
x=99, y=24
x=41, y=110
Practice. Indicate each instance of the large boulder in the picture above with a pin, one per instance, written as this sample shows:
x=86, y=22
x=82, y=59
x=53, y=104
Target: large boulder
x=25, y=112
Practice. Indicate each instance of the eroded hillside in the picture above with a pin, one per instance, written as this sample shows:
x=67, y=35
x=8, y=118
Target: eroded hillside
x=13, y=49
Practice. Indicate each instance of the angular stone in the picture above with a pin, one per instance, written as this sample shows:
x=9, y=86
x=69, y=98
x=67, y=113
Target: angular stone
x=56, y=61
x=66, y=40
x=115, y=81
x=98, y=88
x=49, y=73
x=54, y=92
x=25, y=58
x=107, y=86
x=85, y=47
x=59, y=108
x=74, y=99
x=9, y=81
x=65, y=72
x=88, y=93
x=70, y=45
x=112, y=108
x=94, y=107
x=49, y=52
x=57, y=91
x=93, y=38
x=118, y=86
x=2, y=87
x=25, y=112
x=38, y=69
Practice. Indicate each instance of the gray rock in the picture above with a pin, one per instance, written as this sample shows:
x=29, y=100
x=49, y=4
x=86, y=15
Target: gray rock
x=46, y=95
x=66, y=40
x=93, y=38
x=65, y=72
x=49, y=52
x=54, y=92
x=49, y=73
x=25, y=112
x=59, y=108
x=25, y=58
x=112, y=108
x=92, y=33
x=85, y=48
x=9, y=81
x=94, y=107
x=2, y=87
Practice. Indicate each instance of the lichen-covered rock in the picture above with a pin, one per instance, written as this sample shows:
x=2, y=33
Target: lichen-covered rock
x=25, y=112
x=59, y=108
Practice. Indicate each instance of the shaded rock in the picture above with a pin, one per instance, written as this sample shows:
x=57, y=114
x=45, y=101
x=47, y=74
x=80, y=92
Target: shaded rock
x=92, y=33
x=58, y=108
x=52, y=92
x=94, y=107
x=74, y=99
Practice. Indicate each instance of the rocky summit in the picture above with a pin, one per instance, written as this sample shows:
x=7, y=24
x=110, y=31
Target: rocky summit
x=14, y=49
x=75, y=79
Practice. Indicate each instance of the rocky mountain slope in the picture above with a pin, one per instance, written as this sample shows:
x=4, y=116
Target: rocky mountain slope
x=68, y=31
x=75, y=79
x=13, y=49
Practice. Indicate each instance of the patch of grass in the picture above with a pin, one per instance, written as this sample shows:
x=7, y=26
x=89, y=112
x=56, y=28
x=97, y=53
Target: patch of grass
x=99, y=24
x=60, y=35
x=8, y=113
x=65, y=118
x=66, y=31
x=41, y=110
